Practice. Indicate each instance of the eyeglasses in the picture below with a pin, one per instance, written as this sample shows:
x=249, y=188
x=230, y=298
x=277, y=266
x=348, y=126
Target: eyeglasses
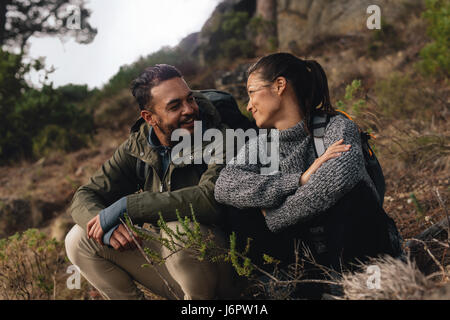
x=250, y=92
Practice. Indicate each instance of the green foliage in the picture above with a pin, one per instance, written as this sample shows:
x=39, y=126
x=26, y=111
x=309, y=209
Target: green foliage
x=190, y=237
x=228, y=38
x=29, y=262
x=126, y=74
x=54, y=137
x=235, y=47
x=419, y=209
x=247, y=267
x=354, y=102
x=36, y=121
x=436, y=55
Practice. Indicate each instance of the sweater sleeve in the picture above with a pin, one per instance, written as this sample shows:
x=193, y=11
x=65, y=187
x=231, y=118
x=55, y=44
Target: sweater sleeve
x=243, y=185
x=328, y=184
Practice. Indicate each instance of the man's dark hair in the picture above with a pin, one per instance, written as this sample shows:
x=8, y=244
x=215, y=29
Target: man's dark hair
x=151, y=77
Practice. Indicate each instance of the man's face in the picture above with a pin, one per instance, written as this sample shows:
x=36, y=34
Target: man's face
x=173, y=106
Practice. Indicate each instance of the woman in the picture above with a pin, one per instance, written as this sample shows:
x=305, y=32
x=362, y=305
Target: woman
x=330, y=203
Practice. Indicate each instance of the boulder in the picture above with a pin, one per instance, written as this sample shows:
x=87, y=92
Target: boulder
x=300, y=23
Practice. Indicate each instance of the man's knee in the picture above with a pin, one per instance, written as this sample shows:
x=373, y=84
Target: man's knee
x=72, y=243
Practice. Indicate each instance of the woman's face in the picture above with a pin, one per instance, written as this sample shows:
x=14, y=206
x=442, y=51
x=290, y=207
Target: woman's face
x=264, y=102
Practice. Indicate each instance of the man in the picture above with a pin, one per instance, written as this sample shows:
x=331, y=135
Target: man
x=101, y=246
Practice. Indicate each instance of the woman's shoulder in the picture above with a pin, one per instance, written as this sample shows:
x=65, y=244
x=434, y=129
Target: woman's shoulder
x=340, y=125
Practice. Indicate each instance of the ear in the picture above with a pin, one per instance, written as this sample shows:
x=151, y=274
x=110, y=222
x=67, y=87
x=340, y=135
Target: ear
x=148, y=116
x=280, y=84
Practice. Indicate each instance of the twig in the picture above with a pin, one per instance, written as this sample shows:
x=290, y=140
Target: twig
x=148, y=260
x=432, y=256
x=438, y=195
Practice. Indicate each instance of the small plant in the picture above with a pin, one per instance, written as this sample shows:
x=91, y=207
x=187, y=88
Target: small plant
x=436, y=55
x=354, y=102
x=279, y=284
x=29, y=263
x=420, y=212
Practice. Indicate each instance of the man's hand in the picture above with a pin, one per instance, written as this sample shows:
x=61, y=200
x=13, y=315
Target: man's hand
x=94, y=229
x=121, y=239
x=333, y=151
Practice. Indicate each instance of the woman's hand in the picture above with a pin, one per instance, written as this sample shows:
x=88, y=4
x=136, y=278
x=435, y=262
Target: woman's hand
x=333, y=151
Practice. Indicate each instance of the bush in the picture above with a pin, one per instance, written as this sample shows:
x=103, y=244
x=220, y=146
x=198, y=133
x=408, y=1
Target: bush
x=29, y=263
x=54, y=137
x=28, y=113
x=126, y=74
x=436, y=55
x=228, y=37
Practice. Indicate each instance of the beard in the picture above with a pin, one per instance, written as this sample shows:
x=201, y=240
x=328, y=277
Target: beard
x=167, y=129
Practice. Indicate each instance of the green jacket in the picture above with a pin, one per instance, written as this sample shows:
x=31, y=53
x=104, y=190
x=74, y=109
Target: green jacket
x=181, y=185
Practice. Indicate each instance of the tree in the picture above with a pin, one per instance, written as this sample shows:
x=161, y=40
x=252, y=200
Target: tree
x=21, y=19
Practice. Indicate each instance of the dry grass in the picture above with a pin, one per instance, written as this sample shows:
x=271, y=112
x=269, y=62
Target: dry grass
x=399, y=280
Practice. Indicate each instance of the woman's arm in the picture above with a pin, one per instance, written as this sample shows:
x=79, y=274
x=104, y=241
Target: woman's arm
x=243, y=185
x=328, y=184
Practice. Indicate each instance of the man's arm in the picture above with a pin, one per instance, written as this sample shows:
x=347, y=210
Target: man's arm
x=115, y=179
x=145, y=206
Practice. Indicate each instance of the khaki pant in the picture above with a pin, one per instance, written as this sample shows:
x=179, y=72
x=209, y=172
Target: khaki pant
x=113, y=272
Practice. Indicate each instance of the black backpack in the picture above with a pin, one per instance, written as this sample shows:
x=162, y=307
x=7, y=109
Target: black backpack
x=228, y=109
x=373, y=167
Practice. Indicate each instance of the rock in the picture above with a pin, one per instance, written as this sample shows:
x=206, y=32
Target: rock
x=301, y=23
x=60, y=226
x=234, y=82
x=17, y=215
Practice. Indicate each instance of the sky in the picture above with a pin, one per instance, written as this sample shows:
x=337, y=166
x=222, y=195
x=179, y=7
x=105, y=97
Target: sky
x=127, y=30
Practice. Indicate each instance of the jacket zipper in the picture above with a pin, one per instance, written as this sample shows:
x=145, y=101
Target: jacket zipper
x=161, y=188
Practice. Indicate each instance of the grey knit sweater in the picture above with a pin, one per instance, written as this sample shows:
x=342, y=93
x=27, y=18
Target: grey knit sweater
x=285, y=200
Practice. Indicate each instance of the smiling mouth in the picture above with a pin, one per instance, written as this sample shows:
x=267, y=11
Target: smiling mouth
x=188, y=123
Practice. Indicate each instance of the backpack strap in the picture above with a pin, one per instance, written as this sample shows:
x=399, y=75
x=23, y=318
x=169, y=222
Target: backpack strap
x=319, y=124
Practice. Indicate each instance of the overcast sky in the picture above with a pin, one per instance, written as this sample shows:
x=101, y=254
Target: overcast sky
x=127, y=29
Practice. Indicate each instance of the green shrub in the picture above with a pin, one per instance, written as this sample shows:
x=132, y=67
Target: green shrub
x=54, y=137
x=29, y=263
x=354, y=101
x=126, y=74
x=228, y=37
x=436, y=55
x=31, y=117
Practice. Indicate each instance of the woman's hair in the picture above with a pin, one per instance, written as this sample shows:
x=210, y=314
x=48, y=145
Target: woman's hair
x=307, y=78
